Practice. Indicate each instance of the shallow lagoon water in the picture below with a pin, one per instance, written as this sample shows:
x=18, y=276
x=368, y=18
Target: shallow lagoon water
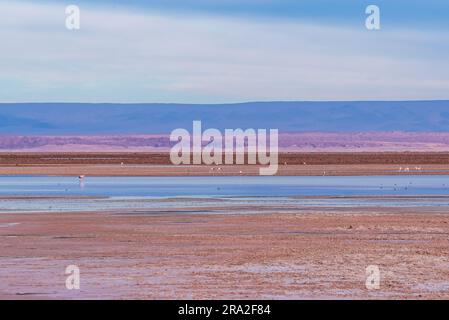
x=223, y=186
x=115, y=193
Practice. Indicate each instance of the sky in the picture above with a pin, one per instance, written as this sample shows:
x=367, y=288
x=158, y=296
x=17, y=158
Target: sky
x=218, y=51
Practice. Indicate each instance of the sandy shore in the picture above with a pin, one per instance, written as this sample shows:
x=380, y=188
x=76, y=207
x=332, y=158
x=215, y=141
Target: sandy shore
x=319, y=253
x=158, y=164
x=234, y=170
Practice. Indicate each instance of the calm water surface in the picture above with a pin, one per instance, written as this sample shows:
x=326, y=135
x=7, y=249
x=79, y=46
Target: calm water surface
x=155, y=192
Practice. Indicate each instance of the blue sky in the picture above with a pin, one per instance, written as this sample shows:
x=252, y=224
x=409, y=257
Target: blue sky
x=223, y=51
x=397, y=12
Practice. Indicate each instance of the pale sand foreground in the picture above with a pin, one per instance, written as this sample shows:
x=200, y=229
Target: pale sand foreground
x=319, y=253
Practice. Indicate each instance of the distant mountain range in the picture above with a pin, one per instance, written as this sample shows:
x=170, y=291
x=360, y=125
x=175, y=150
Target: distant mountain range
x=303, y=126
x=142, y=119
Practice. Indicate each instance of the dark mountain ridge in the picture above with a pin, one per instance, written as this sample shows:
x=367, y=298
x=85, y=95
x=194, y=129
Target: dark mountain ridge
x=336, y=116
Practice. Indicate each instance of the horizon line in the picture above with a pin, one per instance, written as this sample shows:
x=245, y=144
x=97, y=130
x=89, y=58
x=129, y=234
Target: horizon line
x=232, y=103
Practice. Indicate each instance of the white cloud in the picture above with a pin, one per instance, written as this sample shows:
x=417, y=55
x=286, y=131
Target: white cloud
x=157, y=57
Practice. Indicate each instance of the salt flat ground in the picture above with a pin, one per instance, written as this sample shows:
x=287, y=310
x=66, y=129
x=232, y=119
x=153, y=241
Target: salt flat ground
x=183, y=254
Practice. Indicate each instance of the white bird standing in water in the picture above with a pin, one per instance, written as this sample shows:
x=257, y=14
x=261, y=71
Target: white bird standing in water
x=81, y=180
